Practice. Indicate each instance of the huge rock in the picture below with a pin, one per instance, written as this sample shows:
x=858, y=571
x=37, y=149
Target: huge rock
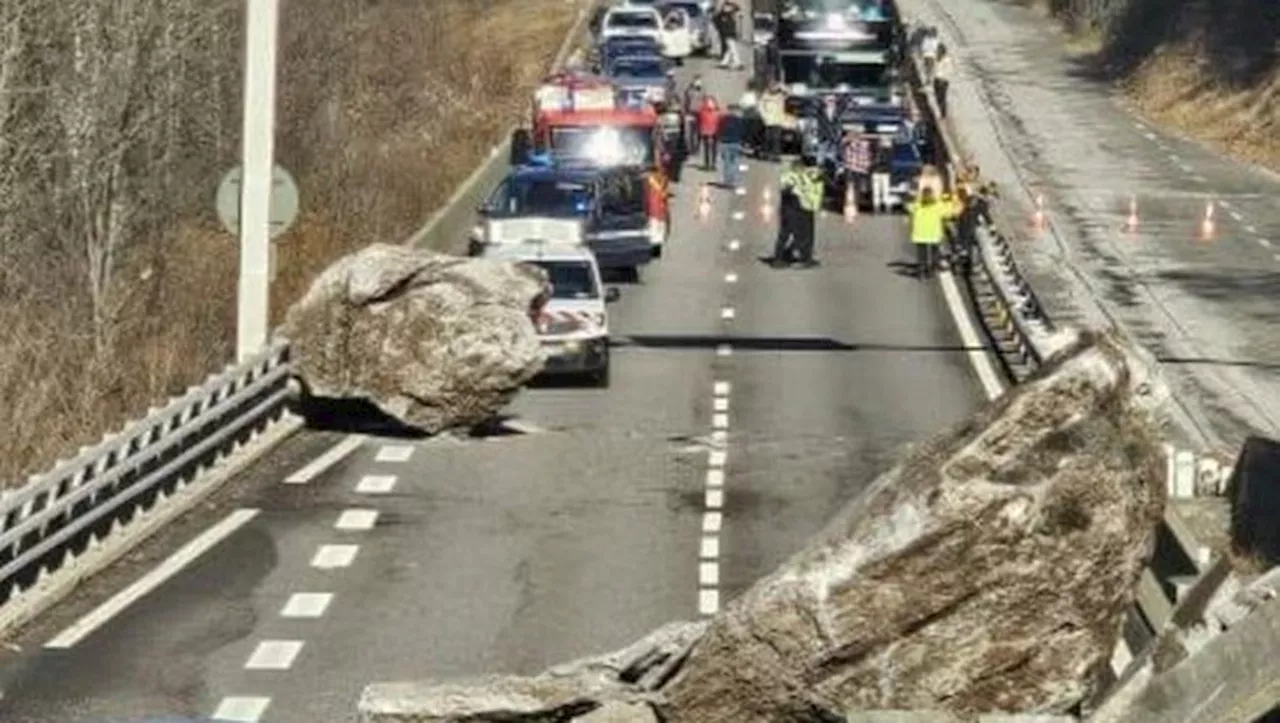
x=988, y=571
x=436, y=341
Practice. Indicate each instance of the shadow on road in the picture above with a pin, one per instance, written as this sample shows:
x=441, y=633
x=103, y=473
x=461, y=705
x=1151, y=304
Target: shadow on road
x=773, y=343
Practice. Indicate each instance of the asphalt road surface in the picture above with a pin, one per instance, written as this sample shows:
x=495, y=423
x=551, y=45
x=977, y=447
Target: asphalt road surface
x=1040, y=121
x=747, y=403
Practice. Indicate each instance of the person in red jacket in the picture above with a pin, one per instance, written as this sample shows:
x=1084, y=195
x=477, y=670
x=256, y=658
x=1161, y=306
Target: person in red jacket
x=709, y=130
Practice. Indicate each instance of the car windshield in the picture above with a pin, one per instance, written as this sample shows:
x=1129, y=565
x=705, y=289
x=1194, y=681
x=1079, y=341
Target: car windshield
x=637, y=68
x=633, y=46
x=570, y=280
x=694, y=10
x=826, y=72
x=604, y=146
x=632, y=20
x=540, y=197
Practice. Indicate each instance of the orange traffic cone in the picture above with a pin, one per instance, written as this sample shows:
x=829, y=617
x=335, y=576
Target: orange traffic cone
x=1131, y=223
x=766, y=205
x=1037, y=219
x=850, y=206
x=704, y=202
x=1207, y=226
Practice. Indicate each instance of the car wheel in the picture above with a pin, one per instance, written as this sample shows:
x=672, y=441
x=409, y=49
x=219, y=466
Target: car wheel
x=600, y=377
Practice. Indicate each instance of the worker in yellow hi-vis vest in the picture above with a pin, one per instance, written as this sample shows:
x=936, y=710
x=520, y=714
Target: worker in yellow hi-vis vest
x=929, y=215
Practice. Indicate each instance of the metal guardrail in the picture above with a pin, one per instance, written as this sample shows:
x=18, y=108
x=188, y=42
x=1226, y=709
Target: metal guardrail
x=1018, y=328
x=57, y=515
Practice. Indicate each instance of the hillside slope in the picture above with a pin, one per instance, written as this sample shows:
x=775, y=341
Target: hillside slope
x=1209, y=68
x=117, y=120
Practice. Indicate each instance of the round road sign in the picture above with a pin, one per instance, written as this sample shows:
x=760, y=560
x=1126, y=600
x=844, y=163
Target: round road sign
x=284, y=201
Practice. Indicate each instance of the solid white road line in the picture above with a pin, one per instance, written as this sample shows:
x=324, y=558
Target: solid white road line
x=991, y=383
x=241, y=709
x=274, y=655
x=306, y=605
x=172, y=565
x=710, y=548
x=394, y=453
x=708, y=601
x=356, y=520
x=328, y=557
x=336, y=454
x=376, y=484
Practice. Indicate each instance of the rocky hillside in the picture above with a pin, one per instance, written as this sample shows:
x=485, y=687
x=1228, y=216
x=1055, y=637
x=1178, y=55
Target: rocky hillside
x=1209, y=68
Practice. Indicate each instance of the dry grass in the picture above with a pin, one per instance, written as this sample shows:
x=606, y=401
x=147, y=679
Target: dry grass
x=1173, y=88
x=1206, y=69
x=384, y=108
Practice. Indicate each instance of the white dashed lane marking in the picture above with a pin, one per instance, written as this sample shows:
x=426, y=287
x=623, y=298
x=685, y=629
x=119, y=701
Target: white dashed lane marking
x=720, y=404
x=717, y=458
x=708, y=601
x=715, y=478
x=1251, y=230
x=376, y=484
x=356, y=520
x=731, y=278
x=1235, y=216
x=394, y=453
x=724, y=350
x=274, y=655
x=1264, y=243
x=712, y=522
x=241, y=709
x=719, y=437
x=306, y=605
x=719, y=421
x=710, y=547
x=714, y=499
x=739, y=215
x=708, y=574
x=727, y=312
x=328, y=557
x=335, y=454
x=734, y=245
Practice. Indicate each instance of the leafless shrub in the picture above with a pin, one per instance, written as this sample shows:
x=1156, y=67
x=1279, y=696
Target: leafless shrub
x=118, y=118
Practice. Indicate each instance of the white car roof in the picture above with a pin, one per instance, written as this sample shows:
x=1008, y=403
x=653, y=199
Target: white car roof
x=538, y=252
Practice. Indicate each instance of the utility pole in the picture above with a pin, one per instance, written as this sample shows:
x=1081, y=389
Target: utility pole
x=257, y=149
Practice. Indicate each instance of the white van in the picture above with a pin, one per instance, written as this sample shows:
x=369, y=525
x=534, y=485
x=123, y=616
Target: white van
x=574, y=323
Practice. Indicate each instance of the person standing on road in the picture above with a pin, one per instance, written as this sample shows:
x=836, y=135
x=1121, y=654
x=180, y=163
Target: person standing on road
x=693, y=97
x=928, y=218
x=929, y=52
x=772, y=115
x=708, y=127
x=727, y=19
x=881, y=170
x=942, y=79
x=857, y=163
x=788, y=215
x=809, y=190
x=730, y=133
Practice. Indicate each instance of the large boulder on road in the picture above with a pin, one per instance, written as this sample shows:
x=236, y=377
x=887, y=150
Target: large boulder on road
x=435, y=341
x=988, y=571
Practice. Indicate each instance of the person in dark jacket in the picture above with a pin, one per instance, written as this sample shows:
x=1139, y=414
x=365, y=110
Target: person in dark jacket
x=731, y=132
x=881, y=178
x=727, y=18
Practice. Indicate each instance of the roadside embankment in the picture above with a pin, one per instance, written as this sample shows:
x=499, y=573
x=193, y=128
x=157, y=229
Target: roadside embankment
x=1207, y=69
x=117, y=284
